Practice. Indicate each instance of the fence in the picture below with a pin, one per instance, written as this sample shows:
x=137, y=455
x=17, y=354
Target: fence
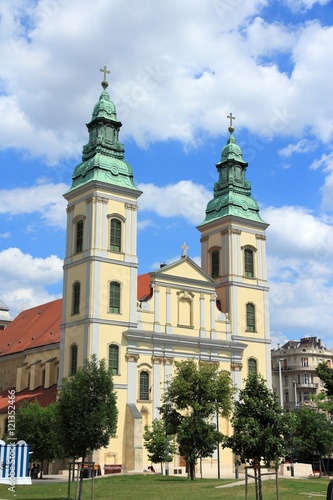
x=14, y=463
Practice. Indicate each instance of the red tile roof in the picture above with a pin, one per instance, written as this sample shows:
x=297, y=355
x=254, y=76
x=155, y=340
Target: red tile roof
x=40, y=325
x=144, y=288
x=43, y=396
x=32, y=328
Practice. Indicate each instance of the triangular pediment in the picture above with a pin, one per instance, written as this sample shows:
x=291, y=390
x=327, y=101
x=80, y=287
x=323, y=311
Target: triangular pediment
x=183, y=270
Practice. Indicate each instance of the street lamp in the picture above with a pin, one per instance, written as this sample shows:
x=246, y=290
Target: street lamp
x=280, y=380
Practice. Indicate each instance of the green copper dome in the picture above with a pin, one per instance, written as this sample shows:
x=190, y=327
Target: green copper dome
x=232, y=192
x=103, y=156
x=104, y=108
x=232, y=151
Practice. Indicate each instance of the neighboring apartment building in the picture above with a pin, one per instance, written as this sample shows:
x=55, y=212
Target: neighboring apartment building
x=294, y=366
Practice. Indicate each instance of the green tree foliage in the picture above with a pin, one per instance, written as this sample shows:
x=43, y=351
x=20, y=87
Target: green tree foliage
x=158, y=444
x=312, y=435
x=87, y=409
x=38, y=426
x=194, y=395
x=259, y=423
x=326, y=375
x=197, y=438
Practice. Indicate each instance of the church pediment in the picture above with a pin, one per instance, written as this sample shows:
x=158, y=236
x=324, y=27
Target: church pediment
x=184, y=270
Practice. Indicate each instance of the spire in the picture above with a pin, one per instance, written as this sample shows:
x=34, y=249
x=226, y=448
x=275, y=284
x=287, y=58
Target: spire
x=232, y=192
x=103, y=156
x=104, y=82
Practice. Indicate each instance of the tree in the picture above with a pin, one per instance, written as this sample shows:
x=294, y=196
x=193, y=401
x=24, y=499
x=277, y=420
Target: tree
x=38, y=426
x=158, y=444
x=260, y=425
x=194, y=395
x=312, y=435
x=197, y=438
x=87, y=410
x=326, y=375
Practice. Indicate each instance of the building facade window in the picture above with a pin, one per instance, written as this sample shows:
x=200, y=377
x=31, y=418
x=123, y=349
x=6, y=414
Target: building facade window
x=248, y=263
x=114, y=359
x=305, y=362
x=286, y=395
x=115, y=235
x=215, y=263
x=76, y=298
x=144, y=386
x=252, y=366
x=250, y=318
x=114, y=297
x=73, y=359
x=79, y=236
x=286, y=381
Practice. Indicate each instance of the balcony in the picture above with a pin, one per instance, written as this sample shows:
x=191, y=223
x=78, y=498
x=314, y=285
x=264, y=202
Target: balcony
x=303, y=385
x=290, y=368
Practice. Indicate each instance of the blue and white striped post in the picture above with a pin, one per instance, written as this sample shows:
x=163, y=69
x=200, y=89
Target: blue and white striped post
x=14, y=463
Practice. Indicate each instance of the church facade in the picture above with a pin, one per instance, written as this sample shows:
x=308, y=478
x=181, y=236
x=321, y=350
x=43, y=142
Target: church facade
x=218, y=312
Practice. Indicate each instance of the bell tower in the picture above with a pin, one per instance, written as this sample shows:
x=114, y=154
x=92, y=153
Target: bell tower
x=100, y=266
x=233, y=252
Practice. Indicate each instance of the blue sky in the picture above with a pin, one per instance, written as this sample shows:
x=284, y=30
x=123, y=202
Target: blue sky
x=177, y=70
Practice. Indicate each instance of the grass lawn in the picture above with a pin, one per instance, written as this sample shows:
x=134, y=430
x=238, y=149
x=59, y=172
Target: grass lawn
x=165, y=487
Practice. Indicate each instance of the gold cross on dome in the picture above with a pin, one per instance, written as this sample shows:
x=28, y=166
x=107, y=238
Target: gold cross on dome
x=231, y=127
x=185, y=248
x=104, y=82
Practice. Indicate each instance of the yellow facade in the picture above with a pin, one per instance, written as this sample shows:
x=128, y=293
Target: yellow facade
x=178, y=319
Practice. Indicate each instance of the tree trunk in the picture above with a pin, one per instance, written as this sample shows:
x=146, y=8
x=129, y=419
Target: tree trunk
x=81, y=481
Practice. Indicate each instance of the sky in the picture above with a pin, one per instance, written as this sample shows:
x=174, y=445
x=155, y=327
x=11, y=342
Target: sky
x=177, y=69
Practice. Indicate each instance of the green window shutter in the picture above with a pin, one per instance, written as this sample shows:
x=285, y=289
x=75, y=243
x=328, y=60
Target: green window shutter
x=250, y=318
x=114, y=359
x=115, y=235
x=144, y=386
x=76, y=297
x=73, y=368
x=114, y=300
x=215, y=256
x=79, y=236
x=248, y=257
x=252, y=366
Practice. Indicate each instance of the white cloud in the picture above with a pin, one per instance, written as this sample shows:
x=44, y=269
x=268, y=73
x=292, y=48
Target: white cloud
x=296, y=232
x=187, y=55
x=184, y=199
x=44, y=199
x=24, y=279
x=302, y=146
x=300, y=251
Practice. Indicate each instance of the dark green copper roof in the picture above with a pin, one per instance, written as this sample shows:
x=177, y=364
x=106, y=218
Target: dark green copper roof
x=103, y=156
x=232, y=192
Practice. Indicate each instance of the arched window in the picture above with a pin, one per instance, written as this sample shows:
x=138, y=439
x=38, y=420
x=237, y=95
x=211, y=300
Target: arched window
x=215, y=263
x=114, y=297
x=144, y=386
x=248, y=263
x=114, y=359
x=79, y=236
x=73, y=359
x=252, y=366
x=76, y=298
x=115, y=235
x=250, y=318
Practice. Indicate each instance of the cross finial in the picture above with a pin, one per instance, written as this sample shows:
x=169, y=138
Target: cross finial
x=231, y=127
x=185, y=248
x=104, y=82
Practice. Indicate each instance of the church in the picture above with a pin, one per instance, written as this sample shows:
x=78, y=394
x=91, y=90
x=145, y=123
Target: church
x=141, y=324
